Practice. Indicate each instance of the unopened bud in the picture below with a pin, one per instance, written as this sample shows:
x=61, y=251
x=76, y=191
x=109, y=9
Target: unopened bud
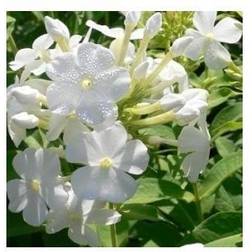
x=56, y=29
x=132, y=18
x=153, y=25
x=26, y=94
x=25, y=120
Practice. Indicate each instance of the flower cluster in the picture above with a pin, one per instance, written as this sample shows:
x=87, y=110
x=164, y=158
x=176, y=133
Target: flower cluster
x=95, y=100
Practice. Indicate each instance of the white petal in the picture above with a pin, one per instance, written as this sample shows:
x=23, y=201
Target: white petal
x=227, y=31
x=111, y=185
x=134, y=158
x=56, y=126
x=111, y=139
x=16, y=190
x=74, y=40
x=153, y=25
x=172, y=101
x=63, y=97
x=25, y=120
x=93, y=59
x=195, y=48
x=40, y=84
x=204, y=21
x=56, y=221
x=193, y=164
x=56, y=29
x=36, y=210
x=83, y=149
x=110, y=32
x=16, y=133
x=187, y=140
x=43, y=42
x=63, y=68
x=22, y=58
x=94, y=112
x=179, y=45
x=73, y=128
x=217, y=56
x=103, y=217
x=113, y=84
x=24, y=164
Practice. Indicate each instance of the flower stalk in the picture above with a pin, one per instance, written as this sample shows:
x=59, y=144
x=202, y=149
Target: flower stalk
x=113, y=235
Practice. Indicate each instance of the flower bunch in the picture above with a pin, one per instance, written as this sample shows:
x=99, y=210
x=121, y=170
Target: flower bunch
x=92, y=103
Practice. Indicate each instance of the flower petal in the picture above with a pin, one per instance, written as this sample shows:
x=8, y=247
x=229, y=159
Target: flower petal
x=83, y=149
x=56, y=126
x=179, y=45
x=43, y=42
x=195, y=48
x=56, y=221
x=16, y=190
x=103, y=217
x=113, y=84
x=111, y=139
x=64, y=68
x=22, y=58
x=94, y=112
x=94, y=59
x=63, y=97
x=110, y=32
x=204, y=21
x=110, y=185
x=227, y=31
x=217, y=56
x=36, y=210
x=134, y=158
x=137, y=34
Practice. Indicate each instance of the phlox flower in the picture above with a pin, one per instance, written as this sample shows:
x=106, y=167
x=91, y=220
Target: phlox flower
x=78, y=216
x=86, y=83
x=108, y=158
x=39, y=171
x=206, y=40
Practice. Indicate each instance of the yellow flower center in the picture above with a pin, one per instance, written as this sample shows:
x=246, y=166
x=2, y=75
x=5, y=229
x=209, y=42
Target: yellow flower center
x=106, y=163
x=86, y=83
x=210, y=35
x=35, y=185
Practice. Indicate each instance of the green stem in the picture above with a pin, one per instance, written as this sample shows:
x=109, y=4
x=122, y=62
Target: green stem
x=13, y=45
x=113, y=236
x=197, y=201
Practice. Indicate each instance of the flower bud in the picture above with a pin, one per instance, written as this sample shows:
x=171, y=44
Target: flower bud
x=25, y=120
x=141, y=70
x=153, y=25
x=132, y=18
x=56, y=29
x=26, y=94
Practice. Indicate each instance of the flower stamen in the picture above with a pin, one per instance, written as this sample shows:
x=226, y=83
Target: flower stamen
x=35, y=185
x=106, y=163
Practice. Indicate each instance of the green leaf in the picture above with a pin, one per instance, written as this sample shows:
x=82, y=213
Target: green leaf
x=158, y=130
x=140, y=212
x=10, y=25
x=230, y=241
x=224, y=118
x=220, y=95
x=224, y=146
x=218, y=226
x=219, y=172
x=152, y=189
x=223, y=201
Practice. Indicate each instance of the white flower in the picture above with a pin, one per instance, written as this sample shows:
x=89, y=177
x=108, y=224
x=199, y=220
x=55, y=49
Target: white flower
x=131, y=18
x=78, y=216
x=187, y=106
x=87, y=83
x=34, y=58
x=108, y=158
x=24, y=102
x=39, y=171
x=194, y=142
x=206, y=39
